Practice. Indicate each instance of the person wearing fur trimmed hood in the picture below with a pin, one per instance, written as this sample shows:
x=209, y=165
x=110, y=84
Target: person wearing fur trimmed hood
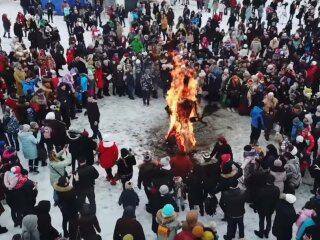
x=108, y=155
x=125, y=165
x=94, y=117
x=68, y=205
x=285, y=217
x=168, y=223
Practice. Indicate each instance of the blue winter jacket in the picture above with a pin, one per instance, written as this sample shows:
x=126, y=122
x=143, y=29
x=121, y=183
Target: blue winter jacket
x=257, y=117
x=295, y=130
x=307, y=223
x=29, y=144
x=29, y=86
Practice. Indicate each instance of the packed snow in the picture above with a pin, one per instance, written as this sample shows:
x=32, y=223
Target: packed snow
x=130, y=125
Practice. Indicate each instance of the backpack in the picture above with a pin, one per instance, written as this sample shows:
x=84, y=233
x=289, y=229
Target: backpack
x=47, y=132
x=210, y=205
x=163, y=231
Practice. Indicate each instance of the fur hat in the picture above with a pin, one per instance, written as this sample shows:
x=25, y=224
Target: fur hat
x=313, y=63
x=128, y=185
x=163, y=190
x=164, y=162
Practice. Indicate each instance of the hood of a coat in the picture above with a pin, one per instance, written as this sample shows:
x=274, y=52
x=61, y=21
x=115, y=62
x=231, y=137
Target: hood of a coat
x=43, y=207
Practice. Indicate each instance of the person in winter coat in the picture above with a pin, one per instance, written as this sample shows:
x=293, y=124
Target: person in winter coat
x=285, y=217
x=17, y=30
x=146, y=85
x=292, y=168
x=94, y=117
x=146, y=173
x=168, y=223
x=46, y=230
x=279, y=173
x=257, y=124
x=68, y=205
x=158, y=201
x=29, y=147
x=50, y=9
x=221, y=147
x=88, y=223
x=57, y=167
x=98, y=75
x=136, y=44
x=83, y=181
x=125, y=165
x=128, y=196
x=164, y=175
x=256, y=45
x=6, y=25
x=233, y=201
x=195, y=189
x=297, y=128
x=30, y=227
x=19, y=75
x=12, y=127
x=265, y=203
x=108, y=155
x=128, y=224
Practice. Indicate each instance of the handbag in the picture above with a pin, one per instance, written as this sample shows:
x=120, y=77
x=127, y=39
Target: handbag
x=65, y=172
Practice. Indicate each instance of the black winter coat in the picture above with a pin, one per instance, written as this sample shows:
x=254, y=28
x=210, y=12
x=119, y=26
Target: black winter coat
x=129, y=198
x=46, y=230
x=163, y=177
x=93, y=112
x=146, y=174
x=125, y=166
x=59, y=134
x=67, y=201
x=88, y=225
x=87, y=177
x=227, y=179
x=128, y=225
x=267, y=199
x=17, y=29
x=82, y=146
x=233, y=201
x=195, y=189
x=219, y=150
x=284, y=219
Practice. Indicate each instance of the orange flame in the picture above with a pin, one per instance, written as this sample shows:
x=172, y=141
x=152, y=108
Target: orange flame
x=182, y=101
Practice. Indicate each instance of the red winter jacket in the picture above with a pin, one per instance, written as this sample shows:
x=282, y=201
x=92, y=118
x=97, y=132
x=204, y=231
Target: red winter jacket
x=98, y=75
x=70, y=55
x=3, y=63
x=311, y=72
x=108, y=154
x=309, y=138
x=181, y=165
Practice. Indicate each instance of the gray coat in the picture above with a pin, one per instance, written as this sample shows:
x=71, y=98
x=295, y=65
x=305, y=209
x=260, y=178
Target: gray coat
x=292, y=168
x=30, y=228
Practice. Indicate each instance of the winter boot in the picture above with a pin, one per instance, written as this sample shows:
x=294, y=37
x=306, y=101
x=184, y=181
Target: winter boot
x=4, y=35
x=9, y=35
x=266, y=234
x=3, y=230
x=113, y=181
x=44, y=163
x=258, y=233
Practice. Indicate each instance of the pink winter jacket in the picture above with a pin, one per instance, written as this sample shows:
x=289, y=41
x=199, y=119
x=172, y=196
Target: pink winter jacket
x=304, y=215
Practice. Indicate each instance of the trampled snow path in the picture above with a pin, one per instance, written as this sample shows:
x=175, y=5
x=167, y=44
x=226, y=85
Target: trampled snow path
x=129, y=124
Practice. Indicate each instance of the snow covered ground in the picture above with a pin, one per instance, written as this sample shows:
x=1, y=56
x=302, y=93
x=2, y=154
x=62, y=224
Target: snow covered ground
x=132, y=125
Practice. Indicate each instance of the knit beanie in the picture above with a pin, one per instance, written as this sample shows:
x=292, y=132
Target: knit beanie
x=164, y=189
x=197, y=231
x=207, y=235
x=277, y=163
x=167, y=211
x=128, y=237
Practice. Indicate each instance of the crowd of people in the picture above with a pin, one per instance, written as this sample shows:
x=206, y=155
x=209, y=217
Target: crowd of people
x=252, y=67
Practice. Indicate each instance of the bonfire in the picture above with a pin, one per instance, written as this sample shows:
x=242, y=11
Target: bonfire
x=182, y=105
